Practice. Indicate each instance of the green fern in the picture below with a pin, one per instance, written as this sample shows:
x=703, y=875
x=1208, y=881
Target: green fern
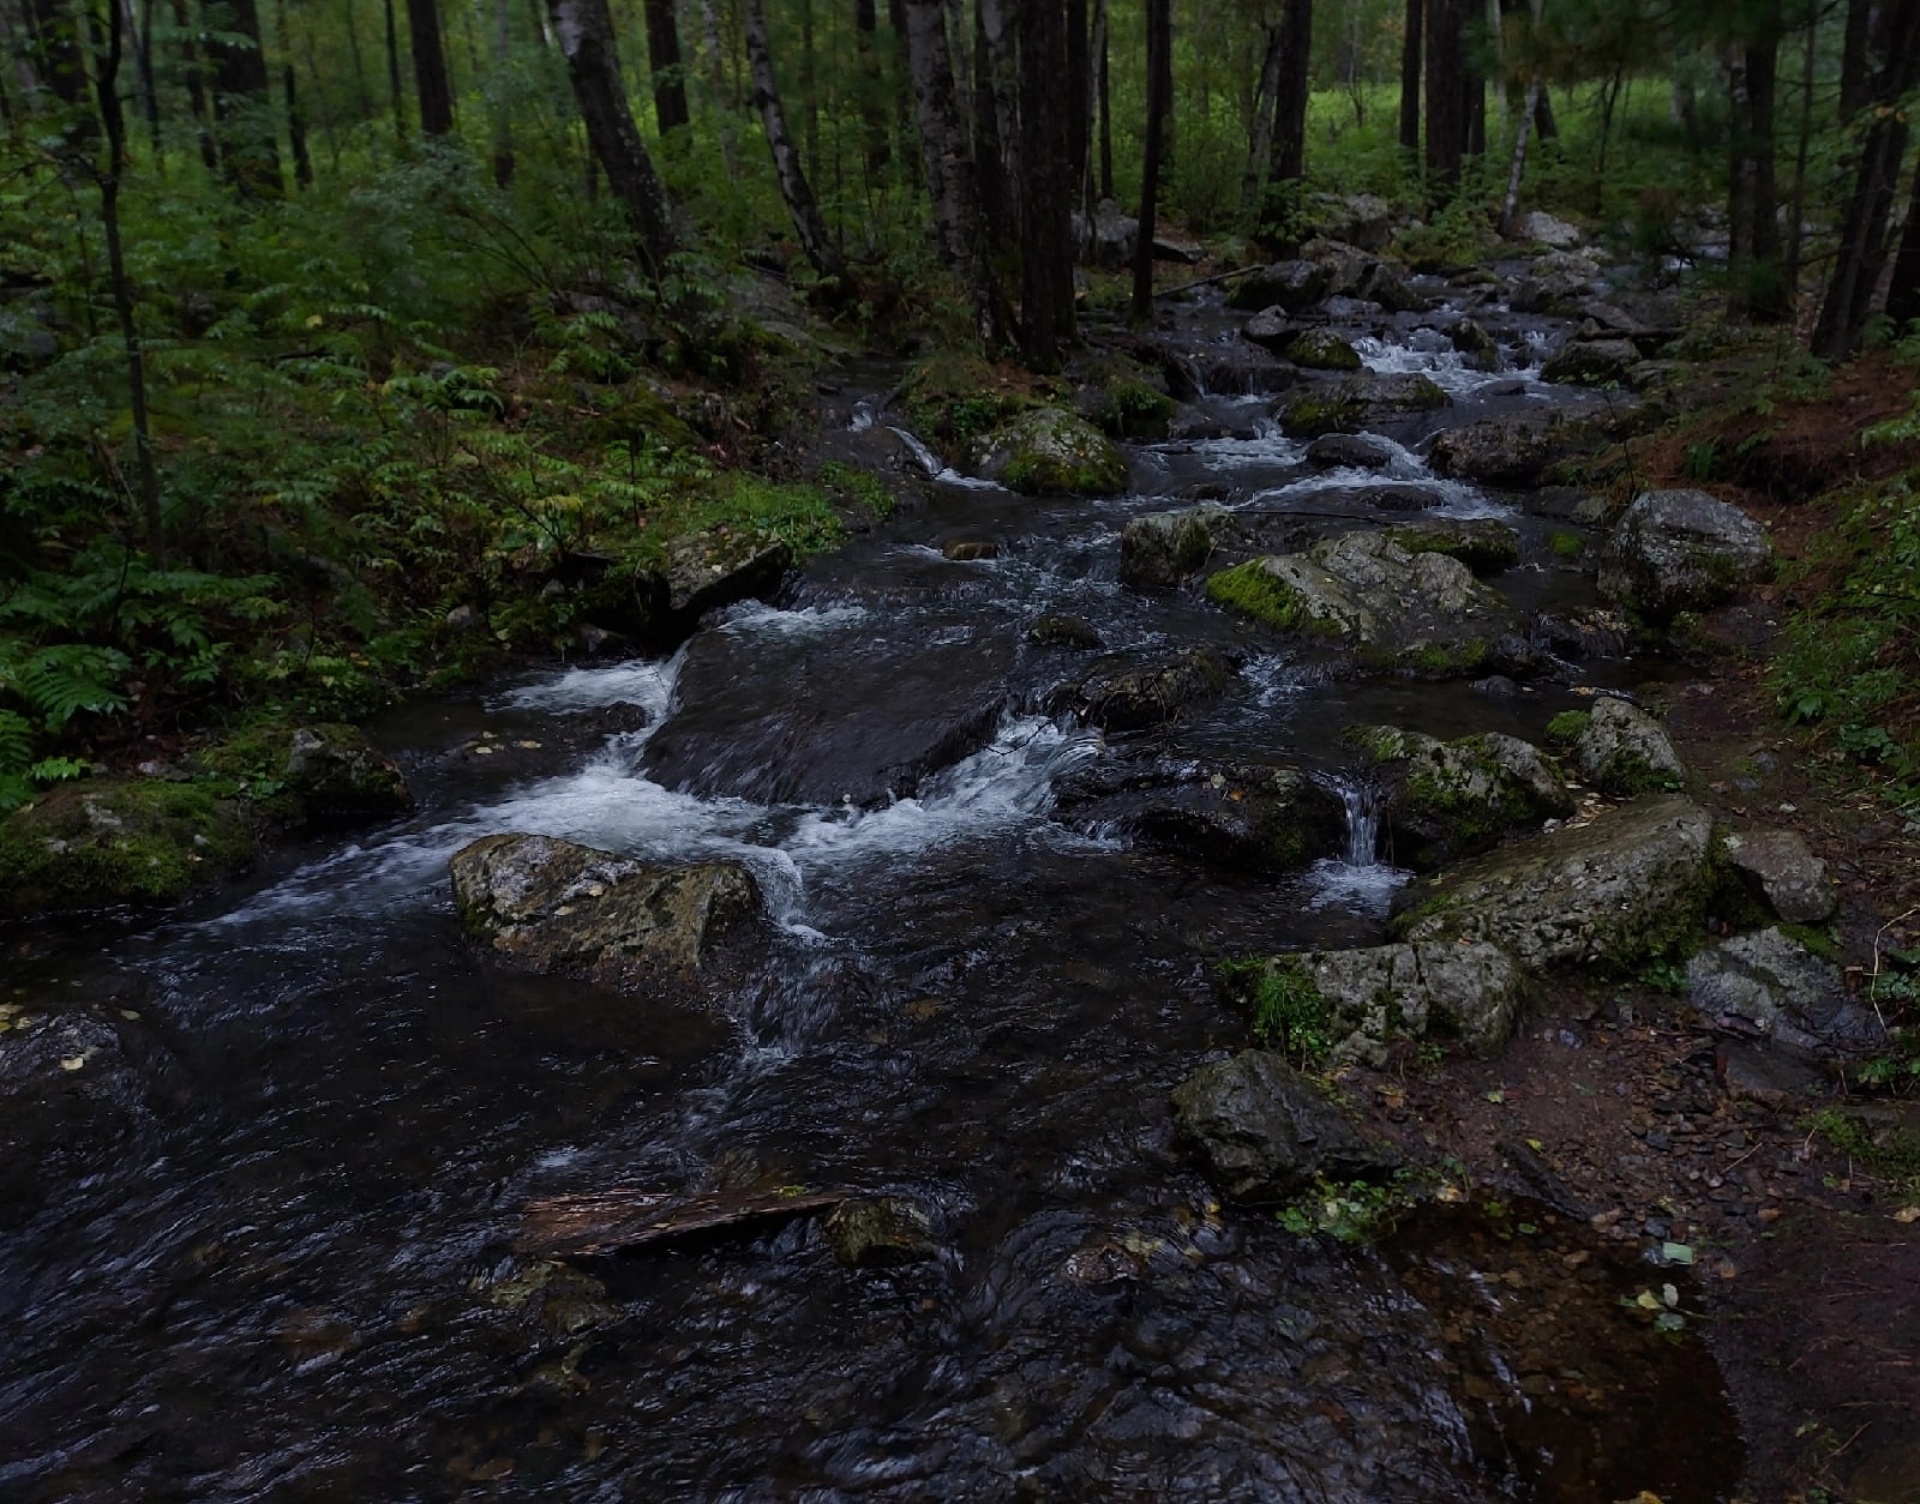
x=59, y=682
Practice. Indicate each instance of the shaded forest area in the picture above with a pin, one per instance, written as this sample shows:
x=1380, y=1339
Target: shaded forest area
x=348, y=347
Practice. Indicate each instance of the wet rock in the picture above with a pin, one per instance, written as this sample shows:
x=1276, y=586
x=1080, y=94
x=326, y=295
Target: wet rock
x=1269, y=329
x=1480, y=347
x=111, y=841
x=1495, y=687
x=1423, y=614
x=1556, y=283
x=1591, y=362
x=970, y=550
x=1161, y=549
x=1784, y=873
x=1676, y=551
x=1505, y=451
x=1772, y=984
x=878, y=1232
x=1446, y=800
x=1400, y=496
x=1122, y=695
x=1363, y=220
x=1351, y=451
x=1359, y=401
x=719, y=567
x=1383, y=992
x=1171, y=247
x=806, y=720
x=1264, y=1133
x=1049, y=451
x=1320, y=350
x=1244, y=373
x=1059, y=630
x=340, y=776
x=1624, y=751
x=1543, y=229
x=560, y=907
x=1240, y=816
x=1484, y=545
x=1384, y=285
x=1194, y=425
x=1751, y=1070
x=1632, y=883
x=1292, y=285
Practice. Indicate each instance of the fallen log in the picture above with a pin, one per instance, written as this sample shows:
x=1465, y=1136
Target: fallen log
x=607, y=1221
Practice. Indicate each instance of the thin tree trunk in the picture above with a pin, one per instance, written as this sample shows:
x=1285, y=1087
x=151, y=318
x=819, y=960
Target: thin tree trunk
x=1295, y=88
x=723, y=99
x=585, y=33
x=1856, y=73
x=1755, y=286
x=296, y=120
x=362, y=99
x=809, y=83
x=1544, y=125
x=141, y=36
x=1046, y=241
x=873, y=114
x=1410, y=71
x=991, y=148
x=107, y=88
x=1903, y=292
x=504, y=163
x=794, y=188
x=55, y=50
x=1260, y=146
x=1079, y=90
x=249, y=151
x=950, y=172
x=194, y=76
x=1102, y=75
x=430, y=78
x=393, y=75
x=1446, y=93
x=1796, y=225
x=1510, y=205
x=1159, y=103
x=663, y=60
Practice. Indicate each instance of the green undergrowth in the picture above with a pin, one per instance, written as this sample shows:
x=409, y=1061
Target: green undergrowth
x=1290, y=1015
x=1357, y=1211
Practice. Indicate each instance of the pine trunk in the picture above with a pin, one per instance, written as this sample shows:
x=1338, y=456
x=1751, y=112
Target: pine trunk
x=394, y=88
x=1047, y=186
x=584, y=30
x=1102, y=87
x=1446, y=94
x=1410, y=69
x=1856, y=73
x=1295, y=89
x=794, y=189
x=1159, y=103
x=430, y=68
x=663, y=59
x=1903, y=292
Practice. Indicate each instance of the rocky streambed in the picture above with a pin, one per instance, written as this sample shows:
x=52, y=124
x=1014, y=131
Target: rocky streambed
x=857, y=972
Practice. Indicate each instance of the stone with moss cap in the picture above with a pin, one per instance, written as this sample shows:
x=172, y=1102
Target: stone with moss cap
x=1320, y=350
x=1051, y=452
x=1482, y=544
x=116, y=841
x=1362, y=400
x=1621, y=750
x=1445, y=800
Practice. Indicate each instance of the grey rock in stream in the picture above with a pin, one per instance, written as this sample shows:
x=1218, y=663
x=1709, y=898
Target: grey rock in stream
x=1265, y=1133
x=1049, y=451
x=1555, y=284
x=1291, y=285
x=1361, y=400
x=1472, y=991
x=1513, y=450
x=1058, y=629
x=1270, y=329
x=1447, y=800
x=1591, y=362
x=1131, y=695
x=557, y=906
x=1784, y=873
x=878, y=1232
x=720, y=567
x=339, y=775
x=1320, y=350
x=1354, y=451
x=1624, y=751
x=1773, y=985
x=1423, y=614
x=1681, y=550
x=1483, y=544
x=1634, y=882
x=1161, y=549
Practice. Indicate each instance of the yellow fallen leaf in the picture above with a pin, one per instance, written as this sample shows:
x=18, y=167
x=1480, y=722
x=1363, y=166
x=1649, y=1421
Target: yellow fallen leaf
x=1907, y=1214
x=73, y=1062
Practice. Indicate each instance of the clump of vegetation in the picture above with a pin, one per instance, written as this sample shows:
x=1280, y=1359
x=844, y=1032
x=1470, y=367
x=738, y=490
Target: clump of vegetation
x=1567, y=727
x=1356, y=1211
x=1290, y=1014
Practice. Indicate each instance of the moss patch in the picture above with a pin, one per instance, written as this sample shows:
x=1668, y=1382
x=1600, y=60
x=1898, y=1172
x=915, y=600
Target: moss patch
x=1567, y=727
x=1253, y=591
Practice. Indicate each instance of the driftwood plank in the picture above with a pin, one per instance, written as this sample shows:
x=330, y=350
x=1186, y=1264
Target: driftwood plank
x=609, y=1220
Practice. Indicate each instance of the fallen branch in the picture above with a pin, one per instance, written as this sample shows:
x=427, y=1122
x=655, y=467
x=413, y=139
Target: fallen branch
x=607, y=1221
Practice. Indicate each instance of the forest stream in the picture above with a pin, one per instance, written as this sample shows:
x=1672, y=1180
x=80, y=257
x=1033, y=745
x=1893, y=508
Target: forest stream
x=299, y=1279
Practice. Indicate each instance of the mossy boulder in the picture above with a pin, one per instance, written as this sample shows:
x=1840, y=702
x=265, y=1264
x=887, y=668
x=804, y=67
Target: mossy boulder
x=1061, y=629
x=1506, y=451
x=1351, y=451
x=1052, y=452
x=1290, y=285
x=1361, y=400
x=1161, y=549
x=1126, y=405
x=1423, y=614
x=1484, y=545
x=1320, y=350
x=1630, y=885
x=878, y=1232
x=952, y=400
x=1447, y=800
x=1681, y=550
x=1382, y=992
x=719, y=567
x=1621, y=750
x=319, y=776
x=115, y=841
x=556, y=906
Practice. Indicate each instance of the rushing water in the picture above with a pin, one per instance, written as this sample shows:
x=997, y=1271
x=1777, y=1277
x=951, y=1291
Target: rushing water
x=290, y=1275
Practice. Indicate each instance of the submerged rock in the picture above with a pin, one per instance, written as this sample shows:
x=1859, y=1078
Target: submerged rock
x=1362, y=400
x=340, y=776
x=1624, y=751
x=1265, y=1134
x=1049, y=451
x=878, y=1232
x=557, y=906
x=1682, y=550
x=1772, y=984
x=1422, y=613
x=111, y=841
x=1446, y=800
x=1161, y=549
x=1631, y=884
x=1354, y=451
x=1784, y=873
x=1472, y=991
x=1057, y=629
x=1122, y=695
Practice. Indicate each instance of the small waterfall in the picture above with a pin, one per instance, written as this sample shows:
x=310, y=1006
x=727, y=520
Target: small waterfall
x=1362, y=801
x=929, y=461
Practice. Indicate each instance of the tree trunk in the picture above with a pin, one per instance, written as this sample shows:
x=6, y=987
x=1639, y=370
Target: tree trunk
x=951, y=181
x=1862, y=254
x=501, y=126
x=107, y=88
x=663, y=59
x=585, y=33
x=1856, y=72
x=394, y=88
x=1797, y=212
x=430, y=79
x=992, y=142
x=1510, y=205
x=794, y=188
x=1260, y=146
x=1047, y=186
x=1544, y=125
x=1410, y=67
x=249, y=152
x=1102, y=89
x=1755, y=286
x=1290, y=100
x=1079, y=94
x=54, y=50
x=1903, y=292
x=1446, y=93
x=296, y=120
x=1159, y=103
x=873, y=113
x=723, y=98
x=141, y=38
x=194, y=76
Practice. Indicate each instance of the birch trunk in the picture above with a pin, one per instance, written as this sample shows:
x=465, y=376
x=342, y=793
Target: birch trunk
x=794, y=188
